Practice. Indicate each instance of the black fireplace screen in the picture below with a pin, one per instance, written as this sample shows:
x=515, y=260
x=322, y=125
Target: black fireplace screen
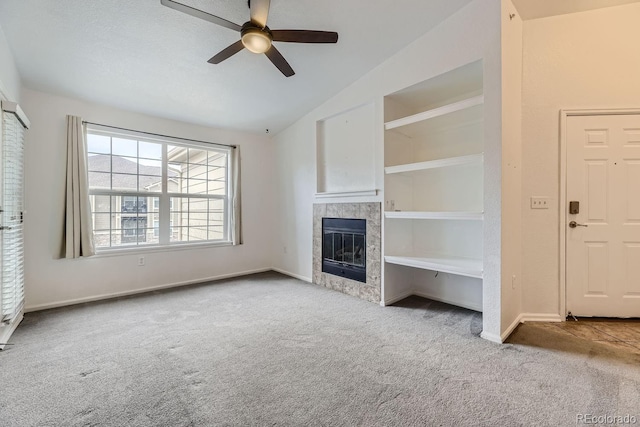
x=344, y=248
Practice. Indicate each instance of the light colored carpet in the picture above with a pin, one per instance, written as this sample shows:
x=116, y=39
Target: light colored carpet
x=271, y=350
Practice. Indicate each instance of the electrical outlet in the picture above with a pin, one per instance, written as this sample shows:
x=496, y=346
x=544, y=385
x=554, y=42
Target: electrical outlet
x=540, y=203
x=284, y=249
x=140, y=261
x=513, y=281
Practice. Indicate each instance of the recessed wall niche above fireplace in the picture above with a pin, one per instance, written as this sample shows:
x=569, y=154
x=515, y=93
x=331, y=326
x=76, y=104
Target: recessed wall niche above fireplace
x=347, y=248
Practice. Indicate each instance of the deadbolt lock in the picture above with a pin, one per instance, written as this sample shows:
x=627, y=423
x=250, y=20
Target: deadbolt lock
x=574, y=208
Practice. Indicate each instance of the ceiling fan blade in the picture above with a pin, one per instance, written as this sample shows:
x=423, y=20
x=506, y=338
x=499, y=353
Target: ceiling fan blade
x=227, y=53
x=278, y=60
x=200, y=14
x=304, y=36
x=260, y=11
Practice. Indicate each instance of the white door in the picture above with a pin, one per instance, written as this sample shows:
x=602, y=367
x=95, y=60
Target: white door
x=603, y=239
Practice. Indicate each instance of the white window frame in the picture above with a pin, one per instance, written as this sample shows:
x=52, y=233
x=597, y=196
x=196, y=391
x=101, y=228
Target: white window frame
x=164, y=196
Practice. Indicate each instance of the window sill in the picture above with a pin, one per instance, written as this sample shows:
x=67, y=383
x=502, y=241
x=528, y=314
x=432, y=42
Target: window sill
x=158, y=248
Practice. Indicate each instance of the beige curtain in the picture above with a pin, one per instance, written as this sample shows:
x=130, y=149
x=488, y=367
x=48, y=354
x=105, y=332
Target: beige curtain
x=236, y=218
x=78, y=226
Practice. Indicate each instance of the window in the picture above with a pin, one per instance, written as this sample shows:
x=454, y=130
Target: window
x=147, y=191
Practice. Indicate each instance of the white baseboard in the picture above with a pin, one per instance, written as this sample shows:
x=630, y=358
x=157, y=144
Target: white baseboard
x=393, y=300
x=541, y=317
x=511, y=328
x=295, y=276
x=529, y=317
x=140, y=291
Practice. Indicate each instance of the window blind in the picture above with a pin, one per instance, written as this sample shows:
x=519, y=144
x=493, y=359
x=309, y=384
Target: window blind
x=12, y=242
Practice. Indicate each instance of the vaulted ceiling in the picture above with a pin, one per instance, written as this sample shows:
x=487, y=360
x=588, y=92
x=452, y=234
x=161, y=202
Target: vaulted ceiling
x=145, y=57
x=142, y=56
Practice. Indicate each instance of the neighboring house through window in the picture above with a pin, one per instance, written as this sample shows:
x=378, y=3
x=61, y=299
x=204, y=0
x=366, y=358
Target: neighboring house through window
x=148, y=191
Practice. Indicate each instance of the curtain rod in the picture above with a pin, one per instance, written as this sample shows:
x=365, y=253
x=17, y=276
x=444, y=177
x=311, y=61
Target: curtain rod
x=158, y=134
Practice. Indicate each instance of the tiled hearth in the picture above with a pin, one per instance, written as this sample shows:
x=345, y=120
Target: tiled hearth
x=370, y=212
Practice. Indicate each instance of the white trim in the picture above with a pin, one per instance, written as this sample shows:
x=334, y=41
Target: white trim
x=562, y=230
x=290, y=274
x=491, y=337
x=395, y=299
x=358, y=193
x=436, y=112
x=540, y=317
x=599, y=111
x=141, y=291
x=562, y=216
x=511, y=328
x=527, y=317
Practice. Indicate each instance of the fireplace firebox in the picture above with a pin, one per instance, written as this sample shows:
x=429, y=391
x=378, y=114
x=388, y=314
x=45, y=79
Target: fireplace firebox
x=344, y=248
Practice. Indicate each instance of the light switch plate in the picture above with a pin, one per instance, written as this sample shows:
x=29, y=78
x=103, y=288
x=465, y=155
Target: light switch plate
x=540, y=203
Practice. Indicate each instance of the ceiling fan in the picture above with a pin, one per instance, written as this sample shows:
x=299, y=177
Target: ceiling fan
x=255, y=35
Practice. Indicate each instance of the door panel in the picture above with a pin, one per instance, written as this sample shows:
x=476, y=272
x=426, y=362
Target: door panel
x=632, y=270
x=597, y=267
x=597, y=174
x=603, y=256
x=632, y=186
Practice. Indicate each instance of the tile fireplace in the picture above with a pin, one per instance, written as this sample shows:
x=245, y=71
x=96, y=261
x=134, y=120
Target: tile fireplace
x=347, y=248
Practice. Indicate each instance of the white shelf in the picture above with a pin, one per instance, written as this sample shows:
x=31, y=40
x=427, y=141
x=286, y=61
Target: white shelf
x=432, y=164
x=359, y=193
x=474, y=216
x=436, y=112
x=445, y=264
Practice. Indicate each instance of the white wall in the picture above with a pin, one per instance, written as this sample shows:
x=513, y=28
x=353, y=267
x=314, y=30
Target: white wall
x=583, y=60
x=9, y=77
x=50, y=281
x=471, y=34
x=511, y=300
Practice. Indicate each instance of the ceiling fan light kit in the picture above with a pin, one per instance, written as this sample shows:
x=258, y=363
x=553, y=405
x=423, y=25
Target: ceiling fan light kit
x=256, y=40
x=255, y=36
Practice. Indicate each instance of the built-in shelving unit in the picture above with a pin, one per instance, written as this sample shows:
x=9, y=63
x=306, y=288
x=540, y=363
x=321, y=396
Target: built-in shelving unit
x=434, y=144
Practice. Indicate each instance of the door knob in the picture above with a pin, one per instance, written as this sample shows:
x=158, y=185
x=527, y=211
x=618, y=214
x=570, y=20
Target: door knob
x=574, y=224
